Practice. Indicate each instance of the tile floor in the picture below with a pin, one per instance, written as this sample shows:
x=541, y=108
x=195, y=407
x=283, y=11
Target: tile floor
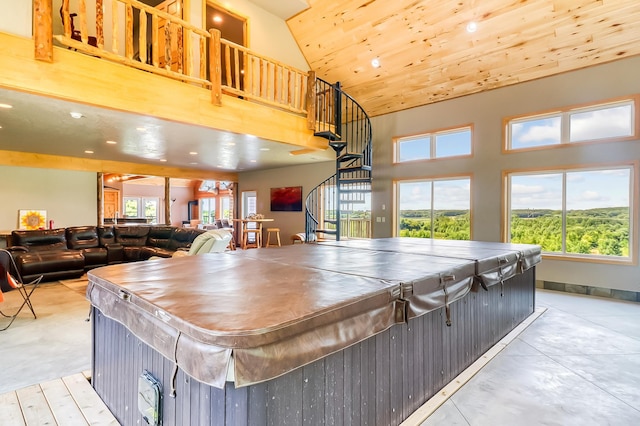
x=55, y=345
x=577, y=364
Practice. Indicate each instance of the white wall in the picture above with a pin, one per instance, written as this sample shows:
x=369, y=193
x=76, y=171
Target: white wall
x=16, y=17
x=307, y=176
x=268, y=34
x=486, y=111
x=69, y=197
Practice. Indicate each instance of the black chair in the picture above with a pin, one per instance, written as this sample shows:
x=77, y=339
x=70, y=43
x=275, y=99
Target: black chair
x=10, y=279
x=76, y=34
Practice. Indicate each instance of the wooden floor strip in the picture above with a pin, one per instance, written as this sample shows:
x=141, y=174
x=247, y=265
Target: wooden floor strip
x=10, y=409
x=69, y=401
x=64, y=408
x=35, y=408
x=88, y=400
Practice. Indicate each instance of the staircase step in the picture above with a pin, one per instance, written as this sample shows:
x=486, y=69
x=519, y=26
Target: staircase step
x=347, y=156
x=354, y=169
x=355, y=180
x=326, y=231
x=355, y=191
x=328, y=134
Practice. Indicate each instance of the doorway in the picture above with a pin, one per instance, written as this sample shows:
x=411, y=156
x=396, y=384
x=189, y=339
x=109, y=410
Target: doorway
x=233, y=28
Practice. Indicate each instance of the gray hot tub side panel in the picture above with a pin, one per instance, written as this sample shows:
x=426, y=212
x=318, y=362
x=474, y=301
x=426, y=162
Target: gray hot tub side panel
x=380, y=380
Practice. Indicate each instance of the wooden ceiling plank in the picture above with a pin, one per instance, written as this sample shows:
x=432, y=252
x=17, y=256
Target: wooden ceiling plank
x=423, y=44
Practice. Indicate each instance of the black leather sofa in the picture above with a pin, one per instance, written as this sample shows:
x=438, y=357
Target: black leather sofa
x=70, y=252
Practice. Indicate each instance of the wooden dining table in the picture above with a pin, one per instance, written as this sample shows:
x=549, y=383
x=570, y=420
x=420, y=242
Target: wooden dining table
x=243, y=225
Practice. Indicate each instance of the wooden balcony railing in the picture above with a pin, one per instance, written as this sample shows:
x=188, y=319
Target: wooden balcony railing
x=163, y=44
x=260, y=78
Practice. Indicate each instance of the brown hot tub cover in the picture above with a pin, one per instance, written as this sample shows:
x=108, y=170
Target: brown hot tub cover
x=271, y=311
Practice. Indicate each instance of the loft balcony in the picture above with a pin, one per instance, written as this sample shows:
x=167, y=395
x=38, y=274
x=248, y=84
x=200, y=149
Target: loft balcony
x=182, y=73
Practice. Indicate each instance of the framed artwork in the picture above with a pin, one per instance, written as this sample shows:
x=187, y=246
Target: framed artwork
x=286, y=199
x=32, y=219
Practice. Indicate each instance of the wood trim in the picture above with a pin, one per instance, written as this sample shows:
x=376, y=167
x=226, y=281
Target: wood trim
x=24, y=159
x=635, y=98
x=396, y=139
x=129, y=61
x=395, y=194
x=634, y=216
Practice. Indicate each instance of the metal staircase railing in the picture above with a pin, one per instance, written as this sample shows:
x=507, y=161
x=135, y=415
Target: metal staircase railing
x=331, y=205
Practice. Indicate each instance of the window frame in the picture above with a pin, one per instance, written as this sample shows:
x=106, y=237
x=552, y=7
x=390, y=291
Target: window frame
x=432, y=135
x=141, y=206
x=565, y=114
x=634, y=196
x=396, y=200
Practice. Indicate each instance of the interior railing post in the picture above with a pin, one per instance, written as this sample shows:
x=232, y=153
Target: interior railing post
x=100, y=24
x=311, y=100
x=43, y=29
x=215, y=67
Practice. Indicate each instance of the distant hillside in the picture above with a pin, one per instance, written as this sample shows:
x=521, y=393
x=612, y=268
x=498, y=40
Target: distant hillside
x=601, y=231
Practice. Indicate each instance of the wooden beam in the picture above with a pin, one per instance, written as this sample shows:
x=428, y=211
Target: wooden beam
x=43, y=161
x=167, y=201
x=43, y=30
x=215, y=67
x=100, y=192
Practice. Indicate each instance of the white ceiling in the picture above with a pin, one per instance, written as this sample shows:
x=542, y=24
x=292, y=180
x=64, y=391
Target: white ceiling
x=38, y=124
x=284, y=9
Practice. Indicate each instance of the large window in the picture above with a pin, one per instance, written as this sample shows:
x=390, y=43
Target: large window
x=574, y=212
x=437, y=208
x=146, y=207
x=207, y=210
x=440, y=144
x=609, y=121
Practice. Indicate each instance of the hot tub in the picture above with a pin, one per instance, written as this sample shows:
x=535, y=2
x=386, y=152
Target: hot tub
x=355, y=333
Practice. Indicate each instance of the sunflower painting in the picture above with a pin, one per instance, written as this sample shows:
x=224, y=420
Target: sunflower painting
x=32, y=219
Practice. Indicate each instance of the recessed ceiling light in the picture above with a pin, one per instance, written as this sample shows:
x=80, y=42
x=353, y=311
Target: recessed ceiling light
x=231, y=144
x=194, y=163
x=6, y=106
x=76, y=114
x=253, y=161
x=193, y=153
x=141, y=129
x=265, y=149
x=163, y=160
x=112, y=142
x=472, y=27
x=88, y=151
x=217, y=18
x=375, y=62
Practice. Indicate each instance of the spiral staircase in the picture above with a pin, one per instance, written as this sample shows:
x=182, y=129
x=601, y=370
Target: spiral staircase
x=339, y=207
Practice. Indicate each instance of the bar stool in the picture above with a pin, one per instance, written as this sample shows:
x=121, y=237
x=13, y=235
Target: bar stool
x=276, y=231
x=257, y=235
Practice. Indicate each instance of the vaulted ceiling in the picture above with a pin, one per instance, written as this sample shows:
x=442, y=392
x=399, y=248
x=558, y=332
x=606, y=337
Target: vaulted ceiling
x=427, y=55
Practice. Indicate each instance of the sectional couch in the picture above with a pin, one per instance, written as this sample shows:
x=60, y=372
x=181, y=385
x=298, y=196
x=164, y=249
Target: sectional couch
x=70, y=252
